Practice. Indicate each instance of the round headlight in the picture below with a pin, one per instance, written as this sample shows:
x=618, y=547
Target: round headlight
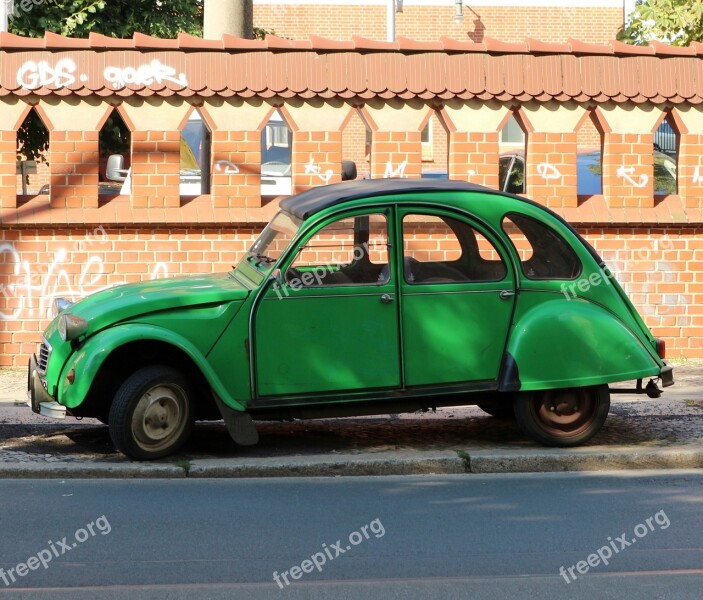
x=62, y=327
x=71, y=326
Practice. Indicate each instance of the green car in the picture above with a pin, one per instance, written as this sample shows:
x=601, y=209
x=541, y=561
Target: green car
x=363, y=297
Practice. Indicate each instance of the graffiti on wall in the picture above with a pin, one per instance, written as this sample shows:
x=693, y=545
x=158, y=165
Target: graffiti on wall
x=548, y=171
x=34, y=287
x=627, y=175
x=227, y=167
x=312, y=169
x=33, y=75
x=395, y=172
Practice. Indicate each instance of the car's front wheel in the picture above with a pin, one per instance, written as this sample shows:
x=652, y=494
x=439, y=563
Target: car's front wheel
x=151, y=415
x=563, y=417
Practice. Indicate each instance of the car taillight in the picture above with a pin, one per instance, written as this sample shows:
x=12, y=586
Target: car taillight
x=661, y=347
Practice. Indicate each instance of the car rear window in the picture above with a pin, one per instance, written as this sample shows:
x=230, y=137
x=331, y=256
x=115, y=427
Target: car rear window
x=543, y=253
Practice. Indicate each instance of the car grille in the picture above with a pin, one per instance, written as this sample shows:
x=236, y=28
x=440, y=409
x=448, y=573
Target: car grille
x=43, y=359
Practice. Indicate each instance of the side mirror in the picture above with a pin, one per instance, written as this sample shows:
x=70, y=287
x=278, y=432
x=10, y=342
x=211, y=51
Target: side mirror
x=348, y=170
x=115, y=170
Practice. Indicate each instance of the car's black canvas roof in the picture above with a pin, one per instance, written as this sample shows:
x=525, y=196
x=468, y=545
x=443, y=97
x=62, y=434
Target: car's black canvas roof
x=311, y=201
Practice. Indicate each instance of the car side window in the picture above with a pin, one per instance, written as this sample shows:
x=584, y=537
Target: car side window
x=543, y=253
x=446, y=250
x=350, y=251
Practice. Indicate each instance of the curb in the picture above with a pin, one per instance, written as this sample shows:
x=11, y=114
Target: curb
x=580, y=459
x=348, y=465
x=90, y=470
x=424, y=463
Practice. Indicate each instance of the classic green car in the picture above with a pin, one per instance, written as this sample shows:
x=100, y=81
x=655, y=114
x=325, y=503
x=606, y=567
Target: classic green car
x=364, y=297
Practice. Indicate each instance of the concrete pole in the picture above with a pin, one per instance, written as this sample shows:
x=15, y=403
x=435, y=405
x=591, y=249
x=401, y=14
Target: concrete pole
x=6, y=8
x=390, y=20
x=228, y=16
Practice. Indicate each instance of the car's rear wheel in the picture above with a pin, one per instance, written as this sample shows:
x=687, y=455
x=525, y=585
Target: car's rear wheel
x=151, y=414
x=499, y=410
x=563, y=417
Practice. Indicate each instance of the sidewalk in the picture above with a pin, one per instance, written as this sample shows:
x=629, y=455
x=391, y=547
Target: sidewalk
x=640, y=433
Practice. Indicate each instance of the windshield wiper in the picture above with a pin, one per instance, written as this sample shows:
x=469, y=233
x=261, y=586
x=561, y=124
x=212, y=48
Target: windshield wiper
x=261, y=258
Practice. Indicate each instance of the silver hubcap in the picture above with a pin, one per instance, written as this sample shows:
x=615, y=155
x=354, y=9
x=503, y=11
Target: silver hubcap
x=160, y=416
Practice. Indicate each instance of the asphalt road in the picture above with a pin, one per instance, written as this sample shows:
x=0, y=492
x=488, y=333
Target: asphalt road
x=430, y=537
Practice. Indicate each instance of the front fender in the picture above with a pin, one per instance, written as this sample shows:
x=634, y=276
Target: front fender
x=575, y=343
x=88, y=359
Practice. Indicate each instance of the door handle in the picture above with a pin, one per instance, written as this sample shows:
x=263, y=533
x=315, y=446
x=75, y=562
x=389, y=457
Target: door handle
x=505, y=294
x=386, y=298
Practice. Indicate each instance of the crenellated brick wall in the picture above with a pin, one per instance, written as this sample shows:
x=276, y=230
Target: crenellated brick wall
x=155, y=169
x=73, y=168
x=75, y=241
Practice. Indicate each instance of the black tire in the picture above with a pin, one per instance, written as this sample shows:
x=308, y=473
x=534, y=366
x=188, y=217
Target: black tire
x=151, y=415
x=563, y=417
x=499, y=410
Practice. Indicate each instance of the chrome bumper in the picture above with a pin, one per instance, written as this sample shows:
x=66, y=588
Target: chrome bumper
x=38, y=398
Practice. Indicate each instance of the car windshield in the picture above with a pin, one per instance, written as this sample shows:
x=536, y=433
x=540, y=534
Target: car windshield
x=274, y=239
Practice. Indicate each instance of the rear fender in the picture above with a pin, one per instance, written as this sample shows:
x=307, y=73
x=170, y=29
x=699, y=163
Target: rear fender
x=572, y=344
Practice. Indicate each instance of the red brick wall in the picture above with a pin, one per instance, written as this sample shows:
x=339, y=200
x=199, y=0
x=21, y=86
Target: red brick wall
x=551, y=168
x=435, y=153
x=74, y=164
x=588, y=135
x=354, y=145
x=506, y=23
x=40, y=264
x=396, y=154
x=633, y=154
x=335, y=22
x=156, y=169
x=480, y=151
x=661, y=268
x=316, y=156
x=243, y=149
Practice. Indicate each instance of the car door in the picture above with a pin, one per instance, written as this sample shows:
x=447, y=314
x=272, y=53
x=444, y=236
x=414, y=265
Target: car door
x=331, y=325
x=457, y=298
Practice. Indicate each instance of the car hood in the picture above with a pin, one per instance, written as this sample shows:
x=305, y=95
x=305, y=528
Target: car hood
x=133, y=300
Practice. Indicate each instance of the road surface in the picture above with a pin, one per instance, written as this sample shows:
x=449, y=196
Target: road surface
x=469, y=536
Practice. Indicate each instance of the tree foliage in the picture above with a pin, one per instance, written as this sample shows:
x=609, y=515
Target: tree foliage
x=676, y=22
x=32, y=139
x=114, y=18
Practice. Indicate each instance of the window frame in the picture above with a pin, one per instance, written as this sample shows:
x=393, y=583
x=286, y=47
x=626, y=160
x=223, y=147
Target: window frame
x=406, y=211
x=321, y=226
